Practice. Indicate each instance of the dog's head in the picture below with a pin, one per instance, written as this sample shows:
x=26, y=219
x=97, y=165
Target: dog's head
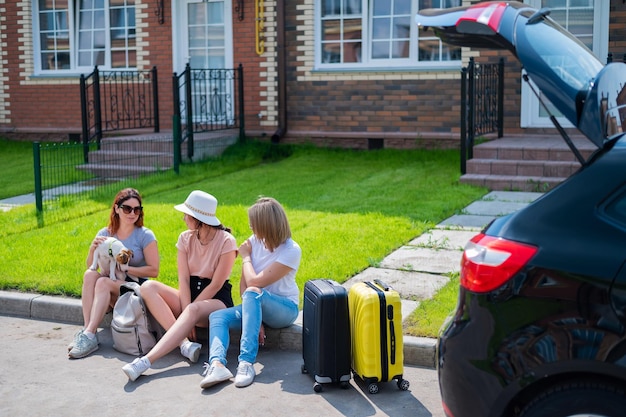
x=124, y=256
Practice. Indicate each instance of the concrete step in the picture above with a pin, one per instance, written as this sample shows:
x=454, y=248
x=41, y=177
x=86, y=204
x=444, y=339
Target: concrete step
x=533, y=148
x=141, y=158
x=161, y=143
x=525, y=162
x=537, y=168
x=512, y=182
x=134, y=155
x=205, y=143
x=117, y=171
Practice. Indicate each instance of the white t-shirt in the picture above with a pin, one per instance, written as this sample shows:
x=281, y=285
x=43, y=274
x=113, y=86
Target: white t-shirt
x=288, y=254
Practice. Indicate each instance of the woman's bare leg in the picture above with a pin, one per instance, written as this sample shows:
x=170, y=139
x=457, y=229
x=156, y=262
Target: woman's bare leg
x=89, y=284
x=162, y=301
x=196, y=314
x=106, y=293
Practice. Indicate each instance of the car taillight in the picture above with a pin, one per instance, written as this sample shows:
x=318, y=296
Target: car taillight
x=487, y=14
x=488, y=262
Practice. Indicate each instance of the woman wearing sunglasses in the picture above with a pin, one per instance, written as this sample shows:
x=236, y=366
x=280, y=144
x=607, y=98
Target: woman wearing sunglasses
x=99, y=293
x=206, y=255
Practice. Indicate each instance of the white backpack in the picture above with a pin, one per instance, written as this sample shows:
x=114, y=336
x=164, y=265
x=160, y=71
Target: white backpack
x=134, y=331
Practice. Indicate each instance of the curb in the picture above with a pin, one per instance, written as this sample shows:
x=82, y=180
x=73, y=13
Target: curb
x=418, y=351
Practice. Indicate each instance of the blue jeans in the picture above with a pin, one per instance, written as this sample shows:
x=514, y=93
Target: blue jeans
x=273, y=310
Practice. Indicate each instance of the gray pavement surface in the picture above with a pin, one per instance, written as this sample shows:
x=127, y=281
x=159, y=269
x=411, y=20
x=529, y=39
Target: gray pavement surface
x=37, y=379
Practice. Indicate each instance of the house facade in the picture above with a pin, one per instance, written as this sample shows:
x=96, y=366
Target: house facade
x=346, y=73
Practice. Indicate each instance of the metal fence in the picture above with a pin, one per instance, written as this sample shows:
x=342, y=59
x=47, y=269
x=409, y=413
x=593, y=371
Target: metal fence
x=206, y=100
x=62, y=176
x=118, y=100
x=482, y=104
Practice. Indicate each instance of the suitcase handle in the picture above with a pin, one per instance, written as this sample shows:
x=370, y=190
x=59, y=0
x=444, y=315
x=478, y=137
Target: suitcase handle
x=392, y=339
x=382, y=285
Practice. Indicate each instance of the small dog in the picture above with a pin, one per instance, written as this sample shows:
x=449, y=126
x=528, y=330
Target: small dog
x=109, y=256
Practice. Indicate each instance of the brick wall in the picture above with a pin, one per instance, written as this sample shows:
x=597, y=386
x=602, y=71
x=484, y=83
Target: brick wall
x=361, y=109
x=346, y=109
x=419, y=109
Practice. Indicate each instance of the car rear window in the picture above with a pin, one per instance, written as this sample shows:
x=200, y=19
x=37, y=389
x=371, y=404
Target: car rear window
x=563, y=54
x=614, y=209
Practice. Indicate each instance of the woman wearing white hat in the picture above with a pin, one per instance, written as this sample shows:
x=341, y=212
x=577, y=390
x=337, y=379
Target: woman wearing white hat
x=206, y=255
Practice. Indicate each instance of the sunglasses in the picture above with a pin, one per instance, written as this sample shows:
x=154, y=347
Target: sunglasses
x=128, y=209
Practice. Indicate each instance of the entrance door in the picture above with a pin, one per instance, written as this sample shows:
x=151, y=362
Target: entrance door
x=202, y=38
x=586, y=19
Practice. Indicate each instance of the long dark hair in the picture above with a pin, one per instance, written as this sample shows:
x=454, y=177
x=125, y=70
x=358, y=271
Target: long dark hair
x=199, y=224
x=120, y=198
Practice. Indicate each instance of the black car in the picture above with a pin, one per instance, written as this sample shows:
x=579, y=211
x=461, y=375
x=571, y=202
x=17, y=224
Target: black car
x=539, y=329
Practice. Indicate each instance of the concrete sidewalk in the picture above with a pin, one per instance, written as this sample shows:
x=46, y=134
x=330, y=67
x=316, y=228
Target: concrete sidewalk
x=417, y=271
x=38, y=380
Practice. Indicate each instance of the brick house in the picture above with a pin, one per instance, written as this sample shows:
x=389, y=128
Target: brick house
x=348, y=73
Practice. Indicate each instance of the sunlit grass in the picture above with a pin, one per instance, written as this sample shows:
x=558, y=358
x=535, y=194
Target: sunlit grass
x=348, y=210
x=430, y=315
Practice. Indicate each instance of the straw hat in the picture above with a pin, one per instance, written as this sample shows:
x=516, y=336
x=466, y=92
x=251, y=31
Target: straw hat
x=201, y=206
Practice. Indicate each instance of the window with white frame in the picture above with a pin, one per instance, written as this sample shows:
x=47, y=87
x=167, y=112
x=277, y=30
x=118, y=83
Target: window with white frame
x=378, y=33
x=73, y=35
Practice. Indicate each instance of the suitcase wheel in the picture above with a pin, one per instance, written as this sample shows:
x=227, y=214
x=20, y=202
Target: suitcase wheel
x=303, y=369
x=403, y=384
x=344, y=384
x=317, y=387
x=373, y=388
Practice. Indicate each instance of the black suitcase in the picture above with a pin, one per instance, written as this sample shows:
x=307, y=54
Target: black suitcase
x=326, y=341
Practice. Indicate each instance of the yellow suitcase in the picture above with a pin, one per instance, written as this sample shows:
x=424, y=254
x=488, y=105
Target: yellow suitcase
x=376, y=331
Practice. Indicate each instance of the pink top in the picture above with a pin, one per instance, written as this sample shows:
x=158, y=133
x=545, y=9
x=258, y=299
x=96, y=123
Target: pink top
x=202, y=260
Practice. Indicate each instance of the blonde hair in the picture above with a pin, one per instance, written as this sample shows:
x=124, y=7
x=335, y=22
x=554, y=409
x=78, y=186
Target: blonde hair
x=269, y=223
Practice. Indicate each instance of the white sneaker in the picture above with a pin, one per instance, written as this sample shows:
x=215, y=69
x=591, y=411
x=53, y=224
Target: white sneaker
x=74, y=340
x=191, y=350
x=137, y=367
x=245, y=374
x=83, y=346
x=214, y=375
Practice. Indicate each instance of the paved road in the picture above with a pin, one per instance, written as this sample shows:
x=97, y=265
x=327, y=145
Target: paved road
x=37, y=379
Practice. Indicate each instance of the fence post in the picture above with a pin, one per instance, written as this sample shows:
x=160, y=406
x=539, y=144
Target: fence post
x=177, y=129
x=189, y=108
x=176, y=141
x=242, y=128
x=501, y=98
x=470, y=116
x=463, y=120
x=85, y=119
x=96, y=105
x=38, y=190
x=155, y=99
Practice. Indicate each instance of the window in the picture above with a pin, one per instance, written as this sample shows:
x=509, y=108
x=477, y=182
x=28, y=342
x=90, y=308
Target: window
x=576, y=16
x=588, y=20
x=378, y=33
x=79, y=34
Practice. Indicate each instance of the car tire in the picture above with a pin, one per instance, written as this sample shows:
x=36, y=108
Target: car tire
x=575, y=398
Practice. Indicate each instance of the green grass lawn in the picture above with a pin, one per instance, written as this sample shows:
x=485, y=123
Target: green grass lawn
x=17, y=168
x=348, y=210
